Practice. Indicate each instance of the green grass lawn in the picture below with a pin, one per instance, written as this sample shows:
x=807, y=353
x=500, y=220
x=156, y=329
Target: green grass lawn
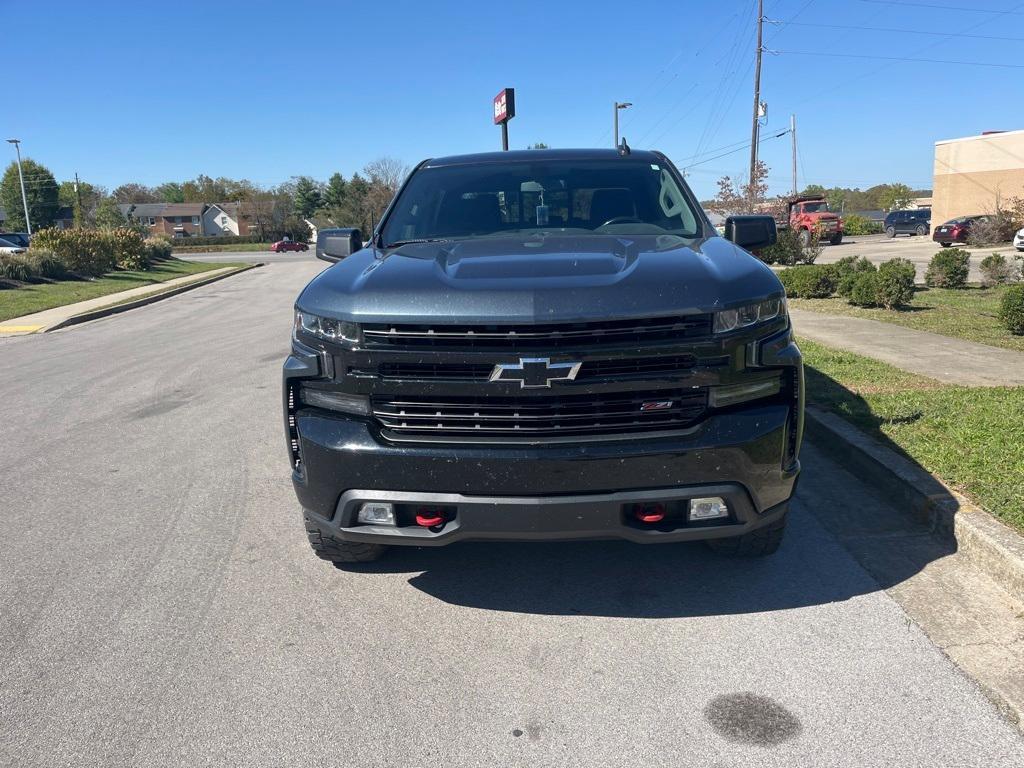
x=973, y=438
x=35, y=297
x=971, y=313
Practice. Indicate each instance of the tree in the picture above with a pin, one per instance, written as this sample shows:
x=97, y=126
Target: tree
x=41, y=192
x=170, y=192
x=386, y=175
x=90, y=196
x=307, y=196
x=108, y=215
x=836, y=199
x=334, y=193
x=895, y=197
x=135, y=193
x=814, y=190
x=539, y=145
x=746, y=198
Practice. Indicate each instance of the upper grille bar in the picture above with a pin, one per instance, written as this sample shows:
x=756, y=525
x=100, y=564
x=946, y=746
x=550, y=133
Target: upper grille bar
x=507, y=336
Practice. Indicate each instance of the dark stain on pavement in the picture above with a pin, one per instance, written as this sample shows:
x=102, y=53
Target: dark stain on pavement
x=157, y=409
x=751, y=719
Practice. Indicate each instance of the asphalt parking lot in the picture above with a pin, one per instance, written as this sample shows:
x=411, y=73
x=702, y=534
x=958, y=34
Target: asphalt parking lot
x=159, y=604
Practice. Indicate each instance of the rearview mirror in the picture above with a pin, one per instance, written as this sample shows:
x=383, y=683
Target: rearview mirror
x=336, y=244
x=751, y=231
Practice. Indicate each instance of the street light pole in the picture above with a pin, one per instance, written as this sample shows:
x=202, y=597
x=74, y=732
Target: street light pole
x=21, y=178
x=618, y=106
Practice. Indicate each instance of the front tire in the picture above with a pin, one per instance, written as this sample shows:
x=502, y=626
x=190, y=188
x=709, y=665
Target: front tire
x=945, y=245
x=334, y=550
x=805, y=238
x=922, y=230
x=890, y=232
x=837, y=239
x=756, y=543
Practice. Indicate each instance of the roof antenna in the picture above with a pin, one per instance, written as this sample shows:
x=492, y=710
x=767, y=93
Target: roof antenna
x=623, y=147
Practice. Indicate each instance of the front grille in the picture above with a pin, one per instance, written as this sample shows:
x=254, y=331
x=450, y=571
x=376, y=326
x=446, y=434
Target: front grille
x=541, y=416
x=636, y=331
x=591, y=369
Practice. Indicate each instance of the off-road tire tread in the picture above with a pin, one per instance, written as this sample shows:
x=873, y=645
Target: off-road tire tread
x=757, y=543
x=326, y=547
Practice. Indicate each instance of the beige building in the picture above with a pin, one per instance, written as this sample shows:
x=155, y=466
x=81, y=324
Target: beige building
x=976, y=174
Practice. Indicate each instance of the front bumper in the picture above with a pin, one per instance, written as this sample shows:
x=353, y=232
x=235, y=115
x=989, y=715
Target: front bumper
x=564, y=491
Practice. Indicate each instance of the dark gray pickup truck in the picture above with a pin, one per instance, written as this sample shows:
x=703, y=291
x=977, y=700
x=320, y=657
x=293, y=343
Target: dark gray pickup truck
x=548, y=344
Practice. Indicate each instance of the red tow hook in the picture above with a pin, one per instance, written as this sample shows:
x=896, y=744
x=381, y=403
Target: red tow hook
x=428, y=518
x=650, y=513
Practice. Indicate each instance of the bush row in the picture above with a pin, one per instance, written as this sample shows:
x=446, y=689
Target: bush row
x=856, y=279
x=861, y=225
x=1011, y=309
x=789, y=250
x=35, y=262
x=219, y=240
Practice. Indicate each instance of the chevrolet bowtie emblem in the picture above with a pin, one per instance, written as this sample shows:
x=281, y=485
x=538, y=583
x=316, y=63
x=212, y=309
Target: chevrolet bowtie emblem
x=533, y=372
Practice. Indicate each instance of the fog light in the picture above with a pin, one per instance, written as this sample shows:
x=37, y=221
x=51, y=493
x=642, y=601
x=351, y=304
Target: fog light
x=376, y=513
x=707, y=509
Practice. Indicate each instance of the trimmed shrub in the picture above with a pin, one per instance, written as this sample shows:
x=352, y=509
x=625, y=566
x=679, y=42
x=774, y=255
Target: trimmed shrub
x=894, y=283
x=43, y=263
x=846, y=271
x=948, y=269
x=788, y=249
x=808, y=281
x=15, y=267
x=1011, y=310
x=864, y=292
x=861, y=225
x=83, y=251
x=996, y=270
x=158, y=248
x=129, y=247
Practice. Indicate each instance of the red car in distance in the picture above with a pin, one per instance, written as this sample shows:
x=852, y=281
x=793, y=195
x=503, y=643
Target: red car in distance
x=288, y=245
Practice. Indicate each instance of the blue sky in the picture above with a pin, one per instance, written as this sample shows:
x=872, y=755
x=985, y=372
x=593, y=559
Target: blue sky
x=128, y=92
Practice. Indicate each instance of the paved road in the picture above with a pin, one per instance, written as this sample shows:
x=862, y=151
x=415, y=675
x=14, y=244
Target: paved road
x=919, y=250
x=266, y=257
x=159, y=605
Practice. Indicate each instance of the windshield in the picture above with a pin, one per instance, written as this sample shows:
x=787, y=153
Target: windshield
x=816, y=207
x=615, y=196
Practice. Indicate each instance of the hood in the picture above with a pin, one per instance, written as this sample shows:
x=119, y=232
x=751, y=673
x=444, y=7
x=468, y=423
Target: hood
x=552, y=278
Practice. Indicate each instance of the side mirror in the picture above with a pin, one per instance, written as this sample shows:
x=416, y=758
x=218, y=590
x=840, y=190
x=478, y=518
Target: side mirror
x=336, y=244
x=751, y=231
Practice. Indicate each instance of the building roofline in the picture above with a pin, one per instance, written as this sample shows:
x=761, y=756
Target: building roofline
x=981, y=136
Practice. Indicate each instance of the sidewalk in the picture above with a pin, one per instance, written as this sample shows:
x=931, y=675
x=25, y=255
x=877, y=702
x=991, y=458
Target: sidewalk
x=39, y=322
x=953, y=361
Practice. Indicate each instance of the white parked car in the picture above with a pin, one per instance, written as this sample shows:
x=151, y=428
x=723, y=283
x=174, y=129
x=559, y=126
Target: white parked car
x=1018, y=241
x=7, y=247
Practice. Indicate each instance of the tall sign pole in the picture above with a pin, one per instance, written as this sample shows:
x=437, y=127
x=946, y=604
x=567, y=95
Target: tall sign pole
x=754, y=130
x=504, y=110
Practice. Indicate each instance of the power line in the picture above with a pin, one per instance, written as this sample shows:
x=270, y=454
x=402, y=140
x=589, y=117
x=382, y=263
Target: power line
x=738, y=149
x=900, y=31
x=890, y=3
x=901, y=58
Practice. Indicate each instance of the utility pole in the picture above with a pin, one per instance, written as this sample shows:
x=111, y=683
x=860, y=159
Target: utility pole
x=80, y=217
x=792, y=132
x=21, y=178
x=755, y=128
x=617, y=107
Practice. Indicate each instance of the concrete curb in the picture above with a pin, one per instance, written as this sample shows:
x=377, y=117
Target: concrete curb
x=991, y=546
x=114, y=309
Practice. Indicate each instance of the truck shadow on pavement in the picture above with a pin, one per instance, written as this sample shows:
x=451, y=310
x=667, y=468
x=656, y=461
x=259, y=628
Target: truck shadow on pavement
x=847, y=536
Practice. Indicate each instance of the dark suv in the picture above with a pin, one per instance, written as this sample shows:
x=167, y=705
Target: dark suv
x=908, y=222
x=550, y=344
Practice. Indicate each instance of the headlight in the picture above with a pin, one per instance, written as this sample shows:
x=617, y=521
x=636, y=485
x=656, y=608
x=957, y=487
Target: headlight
x=327, y=328
x=751, y=314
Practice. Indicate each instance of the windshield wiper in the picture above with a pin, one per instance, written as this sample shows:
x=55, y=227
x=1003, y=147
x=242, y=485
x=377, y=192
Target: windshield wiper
x=399, y=243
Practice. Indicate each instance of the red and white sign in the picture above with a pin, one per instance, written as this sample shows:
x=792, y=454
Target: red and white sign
x=504, y=106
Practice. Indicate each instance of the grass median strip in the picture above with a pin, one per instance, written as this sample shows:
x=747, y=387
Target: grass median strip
x=969, y=313
x=973, y=438
x=35, y=297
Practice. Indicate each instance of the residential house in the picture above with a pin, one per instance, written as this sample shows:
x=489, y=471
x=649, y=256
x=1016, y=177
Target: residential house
x=172, y=219
x=242, y=219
